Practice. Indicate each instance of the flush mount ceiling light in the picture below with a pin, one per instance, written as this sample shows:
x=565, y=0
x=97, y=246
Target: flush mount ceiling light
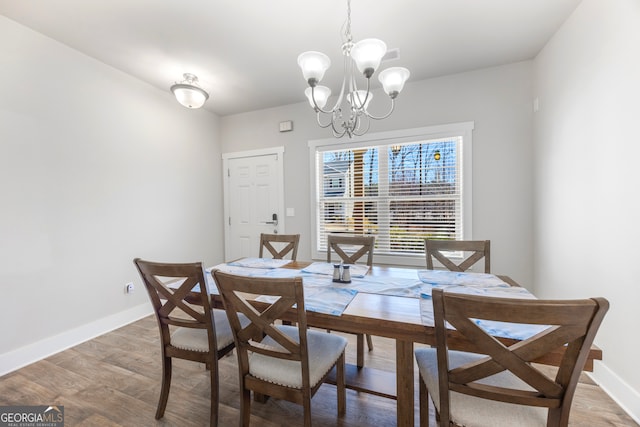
x=349, y=115
x=188, y=93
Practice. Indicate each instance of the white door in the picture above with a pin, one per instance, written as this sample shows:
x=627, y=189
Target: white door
x=253, y=200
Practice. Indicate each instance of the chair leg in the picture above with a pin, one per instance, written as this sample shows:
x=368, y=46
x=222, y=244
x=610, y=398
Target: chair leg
x=306, y=403
x=369, y=342
x=424, y=403
x=215, y=392
x=245, y=406
x=166, y=385
x=340, y=386
x=360, y=350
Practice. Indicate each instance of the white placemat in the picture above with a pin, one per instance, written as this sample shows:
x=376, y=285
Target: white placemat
x=259, y=263
x=445, y=277
x=322, y=299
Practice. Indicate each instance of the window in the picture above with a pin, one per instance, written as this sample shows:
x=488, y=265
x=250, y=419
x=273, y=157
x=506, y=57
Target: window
x=401, y=187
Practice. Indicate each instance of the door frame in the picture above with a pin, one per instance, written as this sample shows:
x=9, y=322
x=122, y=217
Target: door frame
x=278, y=151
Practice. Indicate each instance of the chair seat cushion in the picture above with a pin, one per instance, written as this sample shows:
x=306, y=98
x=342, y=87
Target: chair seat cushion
x=197, y=340
x=324, y=351
x=473, y=411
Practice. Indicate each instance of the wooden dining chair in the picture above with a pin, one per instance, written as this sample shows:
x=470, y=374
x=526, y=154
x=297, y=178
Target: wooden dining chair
x=280, y=361
x=472, y=251
x=279, y=245
x=351, y=249
x=497, y=384
x=187, y=331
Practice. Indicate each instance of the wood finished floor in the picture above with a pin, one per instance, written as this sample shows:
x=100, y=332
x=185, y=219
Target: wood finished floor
x=114, y=380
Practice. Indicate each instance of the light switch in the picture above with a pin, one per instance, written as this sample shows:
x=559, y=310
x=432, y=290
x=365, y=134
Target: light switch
x=290, y=212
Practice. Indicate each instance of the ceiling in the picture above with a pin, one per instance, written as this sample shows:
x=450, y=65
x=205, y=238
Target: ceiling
x=244, y=52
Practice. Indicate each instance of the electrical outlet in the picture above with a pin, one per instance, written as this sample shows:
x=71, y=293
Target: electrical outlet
x=129, y=288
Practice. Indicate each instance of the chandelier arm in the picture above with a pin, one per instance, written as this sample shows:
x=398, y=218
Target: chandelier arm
x=359, y=122
x=331, y=123
x=351, y=124
x=393, y=106
x=363, y=102
x=335, y=106
x=339, y=134
x=351, y=129
x=345, y=73
x=324, y=126
x=365, y=130
x=353, y=84
x=338, y=103
x=336, y=132
x=315, y=104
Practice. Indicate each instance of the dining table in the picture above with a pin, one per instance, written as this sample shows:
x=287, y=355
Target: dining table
x=385, y=301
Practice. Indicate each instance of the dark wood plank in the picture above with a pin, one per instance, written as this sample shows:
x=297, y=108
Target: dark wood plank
x=368, y=380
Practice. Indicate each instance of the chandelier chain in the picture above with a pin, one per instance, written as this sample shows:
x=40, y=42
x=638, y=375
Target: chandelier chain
x=349, y=38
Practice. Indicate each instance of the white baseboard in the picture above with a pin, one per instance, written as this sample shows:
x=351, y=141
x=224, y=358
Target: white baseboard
x=623, y=394
x=31, y=353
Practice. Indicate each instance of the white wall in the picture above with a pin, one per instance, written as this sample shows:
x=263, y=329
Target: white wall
x=498, y=100
x=586, y=168
x=96, y=168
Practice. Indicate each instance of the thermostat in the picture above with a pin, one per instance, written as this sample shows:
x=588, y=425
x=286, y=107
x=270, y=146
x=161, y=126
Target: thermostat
x=286, y=126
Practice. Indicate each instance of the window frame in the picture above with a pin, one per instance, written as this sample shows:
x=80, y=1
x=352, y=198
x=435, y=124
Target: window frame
x=461, y=129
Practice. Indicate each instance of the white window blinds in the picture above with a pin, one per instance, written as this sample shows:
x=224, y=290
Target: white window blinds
x=400, y=192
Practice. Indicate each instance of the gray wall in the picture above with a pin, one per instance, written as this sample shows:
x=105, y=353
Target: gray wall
x=96, y=168
x=498, y=100
x=586, y=168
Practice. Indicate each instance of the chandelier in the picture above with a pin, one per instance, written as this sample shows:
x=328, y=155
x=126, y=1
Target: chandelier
x=350, y=115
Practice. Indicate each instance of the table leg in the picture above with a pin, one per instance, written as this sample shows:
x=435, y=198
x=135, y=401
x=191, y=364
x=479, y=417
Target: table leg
x=360, y=353
x=404, y=383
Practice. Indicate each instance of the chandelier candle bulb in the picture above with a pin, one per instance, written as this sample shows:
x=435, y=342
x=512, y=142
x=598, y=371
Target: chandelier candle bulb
x=319, y=97
x=313, y=65
x=367, y=55
x=357, y=98
x=393, y=79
